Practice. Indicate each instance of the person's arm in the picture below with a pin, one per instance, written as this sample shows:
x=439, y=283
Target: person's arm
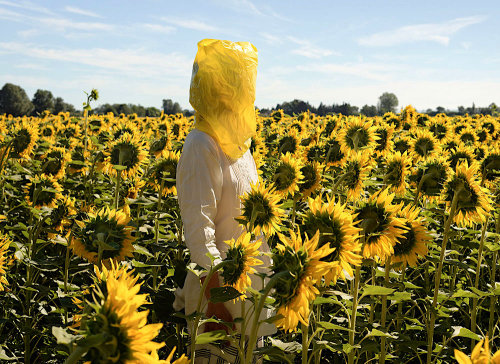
x=199, y=187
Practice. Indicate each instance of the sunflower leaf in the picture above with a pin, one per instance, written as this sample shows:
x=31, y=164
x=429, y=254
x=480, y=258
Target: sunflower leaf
x=223, y=294
x=376, y=291
x=209, y=337
x=463, y=332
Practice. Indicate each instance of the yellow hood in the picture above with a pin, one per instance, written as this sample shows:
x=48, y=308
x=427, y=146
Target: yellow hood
x=222, y=93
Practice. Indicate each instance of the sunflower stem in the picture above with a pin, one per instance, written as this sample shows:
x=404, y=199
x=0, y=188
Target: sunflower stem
x=66, y=270
x=419, y=187
x=339, y=181
x=260, y=305
x=117, y=190
x=305, y=343
x=476, y=281
x=241, y=352
x=399, y=321
x=437, y=279
x=493, y=278
x=352, y=323
x=76, y=355
x=384, y=311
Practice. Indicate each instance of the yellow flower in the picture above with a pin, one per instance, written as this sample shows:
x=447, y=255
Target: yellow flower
x=4, y=248
x=24, y=137
x=474, y=204
x=312, y=178
x=415, y=239
x=356, y=169
x=106, y=230
x=379, y=224
x=295, y=292
x=287, y=175
x=260, y=210
x=358, y=134
x=397, y=169
x=126, y=151
x=385, y=144
x=480, y=355
x=424, y=145
x=43, y=190
x=164, y=173
x=241, y=253
x=54, y=162
x=129, y=339
x=335, y=225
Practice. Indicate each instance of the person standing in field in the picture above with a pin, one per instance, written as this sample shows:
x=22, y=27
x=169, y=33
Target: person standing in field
x=216, y=167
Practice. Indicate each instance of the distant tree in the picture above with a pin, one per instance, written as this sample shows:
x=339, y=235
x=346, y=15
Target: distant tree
x=440, y=110
x=346, y=109
x=170, y=107
x=387, y=102
x=461, y=110
x=152, y=112
x=43, y=100
x=13, y=100
x=123, y=109
x=368, y=110
x=61, y=106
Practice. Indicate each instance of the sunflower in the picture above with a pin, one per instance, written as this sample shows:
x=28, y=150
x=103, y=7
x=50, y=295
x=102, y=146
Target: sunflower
x=123, y=127
x=48, y=133
x=440, y=129
x=424, y=145
x=160, y=147
x=335, y=225
x=312, y=178
x=402, y=144
x=126, y=151
x=468, y=136
x=415, y=239
x=4, y=248
x=356, y=170
x=24, y=137
x=393, y=119
x=241, y=253
x=334, y=154
x=106, y=231
x=305, y=267
x=55, y=162
x=182, y=360
x=385, y=144
x=78, y=160
x=117, y=316
x=164, y=173
x=397, y=168
x=490, y=166
x=60, y=217
x=473, y=203
x=380, y=228
x=480, y=354
x=459, y=154
x=260, y=210
x=289, y=143
x=432, y=175
x=287, y=175
x=358, y=134
x=43, y=190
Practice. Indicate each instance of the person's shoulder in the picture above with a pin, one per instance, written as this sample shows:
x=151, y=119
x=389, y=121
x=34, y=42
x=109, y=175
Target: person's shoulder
x=200, y=141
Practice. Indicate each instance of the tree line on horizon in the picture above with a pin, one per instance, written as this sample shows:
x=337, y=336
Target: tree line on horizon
x=15, y=101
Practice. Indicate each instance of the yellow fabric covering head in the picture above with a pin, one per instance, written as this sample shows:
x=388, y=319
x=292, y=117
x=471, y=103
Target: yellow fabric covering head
x=222, y=93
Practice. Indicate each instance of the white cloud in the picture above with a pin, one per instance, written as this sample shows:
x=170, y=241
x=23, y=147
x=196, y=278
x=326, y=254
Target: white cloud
x=241, y=6
x=309, y=50
x=189, y=24
x=64, y=24
x=158, y=28
x=75, y=10
x=28, y=33
x=439, y=33
x=130, y=61
x=27, y=5
x=271, y=39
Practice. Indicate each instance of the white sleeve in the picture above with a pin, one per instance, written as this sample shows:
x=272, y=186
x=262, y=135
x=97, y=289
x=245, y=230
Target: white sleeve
x=199, y=187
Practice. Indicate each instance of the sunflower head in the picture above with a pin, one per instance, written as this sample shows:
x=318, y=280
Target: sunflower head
x=4, y=248
x=413, y=243
x=424, y=145
x=55, y=162
x=384, y=132
x=43, y=190
x=432, y=176
x=24, y=137
x=397, y=169
x=107, y=233
x=260, y=210
x=118, y=318
x=299, y=267
x=164, y=173
x=287, y=175
x=490, y=166
x=473, y=202
x=333, y=153
x=160, y=147
x=358, y=134
x=289, y=143
x=241, y=259
x=356, y=170
x=311, y=182
x=460, y=154
x=127, y=152
x=380, y=228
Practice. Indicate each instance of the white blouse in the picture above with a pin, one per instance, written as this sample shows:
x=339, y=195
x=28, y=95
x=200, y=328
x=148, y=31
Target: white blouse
x=208, y=188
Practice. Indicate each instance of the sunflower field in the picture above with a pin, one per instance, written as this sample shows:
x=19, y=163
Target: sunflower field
x=384, y=234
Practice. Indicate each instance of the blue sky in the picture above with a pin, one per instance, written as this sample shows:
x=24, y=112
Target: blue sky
x=429, y=53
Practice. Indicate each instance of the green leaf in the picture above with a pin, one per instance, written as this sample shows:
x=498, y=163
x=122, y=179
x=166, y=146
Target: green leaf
x=347, y=348
x=223, y=294
x=463, y=293
x=62, y=336
x=463, y=332
x=3, y=355
x=376, y=332
x=209, y=337
x=377, y=291
x=329, y=326
x=323, y=300
x=400, y=296
x=119, y=167
x=142, y=250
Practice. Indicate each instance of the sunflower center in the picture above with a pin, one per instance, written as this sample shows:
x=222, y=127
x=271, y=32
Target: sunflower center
x=310, y=177
x=438, y=130
x=467, y=138
x=491, y=167
x=332, y=152
x=357, y=137
x=314, y=153
x=456, y=157
x=401, y=146
x=21, y=142
x=105, y=232
x=232, y=272
x=122, y=131
x=382, y=141
x=407, y=242
x=41, y=193
x=424, y=146
x=158, y=145
x=287, y=144
x=166, y=172
x=125, y=154
x=295, y=263
x=353, y=171
x=47, y=132
x=373, y=220
x=284, y=176
x=330, y=230
x=53, y=164
x=436, y=177
x=394, y=173
x=257, y=207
